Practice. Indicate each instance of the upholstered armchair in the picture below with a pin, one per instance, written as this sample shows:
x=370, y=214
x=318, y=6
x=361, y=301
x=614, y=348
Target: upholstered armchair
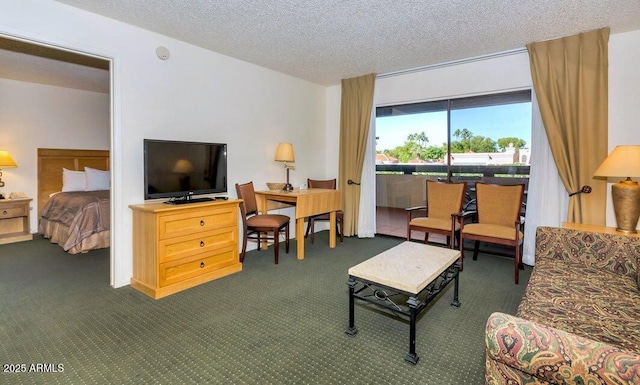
x=497, y=220
x=444, y=200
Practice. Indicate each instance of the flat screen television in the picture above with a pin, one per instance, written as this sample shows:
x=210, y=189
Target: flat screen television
x=182, y=170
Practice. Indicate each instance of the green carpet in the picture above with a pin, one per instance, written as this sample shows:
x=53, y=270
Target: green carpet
x=269, y=324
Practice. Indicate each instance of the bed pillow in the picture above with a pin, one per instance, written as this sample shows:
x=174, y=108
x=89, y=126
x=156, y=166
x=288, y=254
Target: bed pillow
x=97, y=179
x=73, y=180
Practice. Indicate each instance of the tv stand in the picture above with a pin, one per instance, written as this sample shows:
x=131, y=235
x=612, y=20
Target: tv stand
x=182, y=246
x=186, y=200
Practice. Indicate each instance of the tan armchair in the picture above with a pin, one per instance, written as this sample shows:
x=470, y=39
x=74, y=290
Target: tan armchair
x=497, y=219
x=255, y=224
x=444, y=201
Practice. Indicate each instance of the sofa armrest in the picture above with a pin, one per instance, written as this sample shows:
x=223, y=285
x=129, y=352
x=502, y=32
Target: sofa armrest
x=524, y=352
x=619, y=254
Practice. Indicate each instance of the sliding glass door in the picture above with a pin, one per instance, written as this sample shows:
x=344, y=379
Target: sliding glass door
x=481, y=138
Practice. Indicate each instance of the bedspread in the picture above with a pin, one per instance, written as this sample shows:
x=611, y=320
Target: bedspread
x=83, y=212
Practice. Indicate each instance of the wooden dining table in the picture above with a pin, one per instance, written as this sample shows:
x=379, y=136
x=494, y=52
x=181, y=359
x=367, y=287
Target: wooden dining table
x=307, y=202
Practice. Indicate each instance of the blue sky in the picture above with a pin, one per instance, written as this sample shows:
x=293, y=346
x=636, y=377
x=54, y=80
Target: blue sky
x=512, y=120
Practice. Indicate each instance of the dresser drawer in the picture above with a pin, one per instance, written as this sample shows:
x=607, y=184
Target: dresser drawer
x=174, y=225
x=180, y=247
x=14, y=210
x=182, y=269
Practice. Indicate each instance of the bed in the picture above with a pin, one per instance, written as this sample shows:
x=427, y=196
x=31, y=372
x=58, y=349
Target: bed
x=78, y=221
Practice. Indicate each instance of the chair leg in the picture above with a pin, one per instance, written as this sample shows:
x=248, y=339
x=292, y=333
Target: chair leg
x=286, y=237
x=460, y=245
x=244, y=248
x=476, y=248
x=306, y=233
x=448, y=241
x=521, y=248
x=339, y=228
x=276, y=244
x=312, y=225
x=517, y=265
x=426, y=237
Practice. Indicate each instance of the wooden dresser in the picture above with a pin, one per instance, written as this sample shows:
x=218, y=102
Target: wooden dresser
x=176, y=247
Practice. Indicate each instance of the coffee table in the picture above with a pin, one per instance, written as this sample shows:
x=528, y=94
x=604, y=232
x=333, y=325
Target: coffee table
x=412, y=272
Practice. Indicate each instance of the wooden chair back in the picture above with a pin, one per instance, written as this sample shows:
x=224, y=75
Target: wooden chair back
x=247, y=193
x=444, y=198
x=328, y=184
x=499, y=204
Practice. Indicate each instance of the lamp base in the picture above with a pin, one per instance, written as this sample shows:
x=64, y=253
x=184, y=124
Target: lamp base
x=626, y=204
x=288, y=186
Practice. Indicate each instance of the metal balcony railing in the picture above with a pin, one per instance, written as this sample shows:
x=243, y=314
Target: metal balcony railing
x=399, y=186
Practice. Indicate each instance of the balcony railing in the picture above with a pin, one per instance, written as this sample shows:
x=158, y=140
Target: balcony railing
x=399, y=186
x=477, y=171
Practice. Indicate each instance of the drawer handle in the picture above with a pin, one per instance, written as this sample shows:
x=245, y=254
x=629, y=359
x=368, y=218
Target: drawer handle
x=201, y=223
x=201, y=265
x=4, y=212
x=201, y=243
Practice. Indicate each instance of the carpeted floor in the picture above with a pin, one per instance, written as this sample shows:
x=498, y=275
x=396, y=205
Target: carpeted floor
x=269, y=324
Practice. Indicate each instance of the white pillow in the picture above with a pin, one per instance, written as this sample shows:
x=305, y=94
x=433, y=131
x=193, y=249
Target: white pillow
x=73, y=180
x=97, y=179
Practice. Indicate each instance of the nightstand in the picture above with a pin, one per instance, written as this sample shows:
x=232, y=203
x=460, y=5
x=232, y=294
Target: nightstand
x=14, y=220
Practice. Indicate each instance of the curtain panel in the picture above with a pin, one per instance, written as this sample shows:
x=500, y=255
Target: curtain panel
x=544, y=182
x=355, y=120
x=570, y=79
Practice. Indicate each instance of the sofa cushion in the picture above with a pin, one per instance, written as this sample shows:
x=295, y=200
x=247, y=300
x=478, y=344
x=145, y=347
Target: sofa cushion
x=618, y=253
x=586, y=300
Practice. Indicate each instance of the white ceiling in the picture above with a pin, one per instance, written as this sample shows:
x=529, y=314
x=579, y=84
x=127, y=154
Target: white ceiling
x=324, y=41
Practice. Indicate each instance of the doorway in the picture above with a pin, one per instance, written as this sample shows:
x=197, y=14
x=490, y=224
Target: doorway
x=36, y=67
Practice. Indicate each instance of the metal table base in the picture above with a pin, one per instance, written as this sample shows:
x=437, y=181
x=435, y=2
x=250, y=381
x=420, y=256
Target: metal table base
x=389, y=298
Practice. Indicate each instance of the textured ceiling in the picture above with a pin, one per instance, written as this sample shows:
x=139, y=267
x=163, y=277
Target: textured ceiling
x=327, y=40
x=324, y=41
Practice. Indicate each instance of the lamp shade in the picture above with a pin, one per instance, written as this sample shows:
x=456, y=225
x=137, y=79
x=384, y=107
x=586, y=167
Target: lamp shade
x=6, y=161
x=623, y=162
x=284, y=153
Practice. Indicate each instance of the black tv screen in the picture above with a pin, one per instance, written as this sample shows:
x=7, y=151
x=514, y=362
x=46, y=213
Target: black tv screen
x=175, y=169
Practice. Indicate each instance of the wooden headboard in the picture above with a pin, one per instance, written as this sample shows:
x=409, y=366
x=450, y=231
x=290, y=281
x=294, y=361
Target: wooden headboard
x=52, y=160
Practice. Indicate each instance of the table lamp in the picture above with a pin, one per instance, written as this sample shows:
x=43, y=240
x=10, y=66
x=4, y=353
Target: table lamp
x=6, y=161
x=624, y=162
x=284, y=153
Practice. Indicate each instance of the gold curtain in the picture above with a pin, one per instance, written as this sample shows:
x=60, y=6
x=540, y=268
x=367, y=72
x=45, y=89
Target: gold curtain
x=570, y=78
x=355, y=118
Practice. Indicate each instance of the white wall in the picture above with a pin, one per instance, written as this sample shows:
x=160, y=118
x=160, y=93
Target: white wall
x=624, y=86
x=36, y=116
x=511, y=72
x=195, y=95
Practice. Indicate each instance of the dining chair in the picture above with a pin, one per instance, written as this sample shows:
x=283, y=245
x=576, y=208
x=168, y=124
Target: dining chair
x=444, y=202
x=497, y=220
x=326, y=184
x=255, y=224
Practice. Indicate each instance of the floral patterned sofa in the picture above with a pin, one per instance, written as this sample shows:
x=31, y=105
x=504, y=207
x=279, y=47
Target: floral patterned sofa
x=579, y=320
